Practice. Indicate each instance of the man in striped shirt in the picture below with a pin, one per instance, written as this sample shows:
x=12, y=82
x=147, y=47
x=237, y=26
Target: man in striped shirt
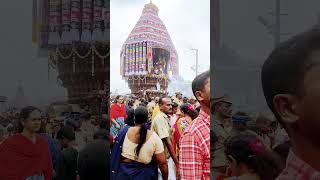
x=290, y=82
x=194, y=160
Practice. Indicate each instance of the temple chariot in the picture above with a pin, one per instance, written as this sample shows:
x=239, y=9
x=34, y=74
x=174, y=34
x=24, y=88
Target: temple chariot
x=148, y=56
x=74, y=35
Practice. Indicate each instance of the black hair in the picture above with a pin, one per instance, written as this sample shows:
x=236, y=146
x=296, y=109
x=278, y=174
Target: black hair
x=26, y=111
x=282, y=150
x=174, y=104
x=185, y=100
x=140, y=118
x=200, y=81
x=143, y=103
x=150, y=98
x=93, y=161
x=130, y=118
x=104, y=123
x=117, y=98
x=43, y=127
x=143, y=100
x=198, y=108
x=188, y=109
x=284, y=69
x=24, y=114
x=258, y=158
x=161, y=100
x=67, y=132
x=130, y=103
x=101, y=134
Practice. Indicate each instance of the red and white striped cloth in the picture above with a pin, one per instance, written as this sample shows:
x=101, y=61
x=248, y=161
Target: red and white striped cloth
x=194, y=160
x=297, y=169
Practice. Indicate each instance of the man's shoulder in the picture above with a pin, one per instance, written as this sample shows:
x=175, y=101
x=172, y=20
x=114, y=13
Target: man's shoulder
x=158, y=119
x=297, y=169
x=298, y=175
x=159, y=116
x=69, y=152
x=286, y=175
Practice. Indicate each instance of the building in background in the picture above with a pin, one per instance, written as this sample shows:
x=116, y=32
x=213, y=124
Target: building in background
x=74, y=36
x=148, y=56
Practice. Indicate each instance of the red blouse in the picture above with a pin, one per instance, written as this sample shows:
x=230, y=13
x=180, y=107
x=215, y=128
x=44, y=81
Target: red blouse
x=20, y=158
x=117, y=111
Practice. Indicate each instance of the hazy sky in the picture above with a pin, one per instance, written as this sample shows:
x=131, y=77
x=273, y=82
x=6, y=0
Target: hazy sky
x=19, y=63
x=187, y=21
x=242, y=32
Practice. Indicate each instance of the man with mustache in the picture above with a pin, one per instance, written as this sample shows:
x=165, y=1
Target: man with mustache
x=161, y=126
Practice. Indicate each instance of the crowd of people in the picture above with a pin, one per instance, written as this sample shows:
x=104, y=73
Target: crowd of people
x=35, y=146
x=162, y=137
x=246, y=146
x=169, y=137
x=283, y=145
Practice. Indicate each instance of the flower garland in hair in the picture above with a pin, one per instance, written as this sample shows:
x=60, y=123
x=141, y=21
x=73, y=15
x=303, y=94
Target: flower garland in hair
x=190, y=107
x=256, y=146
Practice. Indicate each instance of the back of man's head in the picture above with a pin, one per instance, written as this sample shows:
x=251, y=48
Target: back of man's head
x=199, y=82
x=66, y=132
x=93, y=161
x=284, y=70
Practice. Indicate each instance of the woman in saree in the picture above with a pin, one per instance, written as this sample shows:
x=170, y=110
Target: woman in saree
x=188, y=113
x=26, y=155
x=117, y=116
x=138, y=152
x=249, y=159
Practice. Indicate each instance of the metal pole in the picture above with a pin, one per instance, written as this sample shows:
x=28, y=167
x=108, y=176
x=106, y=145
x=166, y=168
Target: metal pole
x=277, y=24
x=196, y=60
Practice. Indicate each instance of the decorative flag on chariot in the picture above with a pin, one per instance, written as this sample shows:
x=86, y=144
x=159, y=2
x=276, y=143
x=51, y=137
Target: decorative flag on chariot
x=75, y=20
x=144, y=58
x=54, y=22
x=86, y=20
x=149, y=58
x=66, y=15
x=40, y=21
x=126, y=60
x=106, y=18
x=131, y=59
x=136, y=62
x=140, y=58
x=97, y=34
